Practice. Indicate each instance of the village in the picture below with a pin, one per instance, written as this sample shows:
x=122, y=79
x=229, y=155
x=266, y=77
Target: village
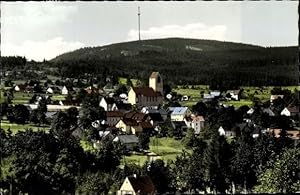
x=142, y=118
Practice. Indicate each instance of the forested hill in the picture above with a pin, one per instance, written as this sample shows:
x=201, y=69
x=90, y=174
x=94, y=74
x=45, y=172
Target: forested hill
x=187, y=61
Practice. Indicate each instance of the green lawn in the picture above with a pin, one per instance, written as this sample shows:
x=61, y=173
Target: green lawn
x=19, y=127
x=123, y=81
x=167, y=148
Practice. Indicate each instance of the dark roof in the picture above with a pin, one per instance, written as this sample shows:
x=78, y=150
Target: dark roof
x=156, y=116
x=146, y=125
x=126, y=139
x=142, y=184
x=114, y=114
x=109, y=100
x=130, y=122
x=146, y=91
x=123, y=106
x=293, y=109
x=137, y=116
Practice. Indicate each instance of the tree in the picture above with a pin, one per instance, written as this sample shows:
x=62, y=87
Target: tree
x=216, y=162
x=243, y=162
x=144, y=140
x=283, y=175
x=200, y=108
x=159, y=174
x=94, y=183
x=21, y=114
x=190, y=139
x=91, y=111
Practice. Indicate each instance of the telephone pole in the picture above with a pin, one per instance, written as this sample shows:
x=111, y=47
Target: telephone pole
x=139, y=14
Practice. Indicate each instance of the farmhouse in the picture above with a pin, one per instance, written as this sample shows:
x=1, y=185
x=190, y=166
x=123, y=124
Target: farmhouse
x=128, y=126
x=195, y=122
x=113, y=117
x=128, y=141
x=147, y=96
x=233, y=95
x=108, y=104
x=137, y=185
x=290, y=111
x=178, y=113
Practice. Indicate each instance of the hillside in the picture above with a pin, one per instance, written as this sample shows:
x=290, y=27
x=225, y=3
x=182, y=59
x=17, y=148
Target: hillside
x=187, y=61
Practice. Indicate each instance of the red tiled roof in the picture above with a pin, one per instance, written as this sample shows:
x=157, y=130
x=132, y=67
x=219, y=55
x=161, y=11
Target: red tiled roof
x=146, y=91
x=142, y=185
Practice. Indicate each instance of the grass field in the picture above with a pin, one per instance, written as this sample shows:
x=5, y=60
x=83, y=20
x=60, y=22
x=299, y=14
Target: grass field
x=19, y=127
x=167, y=149
x=123, y=81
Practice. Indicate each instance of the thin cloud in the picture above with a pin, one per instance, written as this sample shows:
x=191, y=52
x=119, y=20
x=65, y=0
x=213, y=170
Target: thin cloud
x=194, y=30
x=39, y=50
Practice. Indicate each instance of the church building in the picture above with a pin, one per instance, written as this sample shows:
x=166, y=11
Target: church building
x=147, y=96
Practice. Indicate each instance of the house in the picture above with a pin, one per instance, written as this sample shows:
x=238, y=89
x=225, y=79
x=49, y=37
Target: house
x=292, y=133
x=50, y=90
x=66, y=90
x=268, y=111
x=233, y=95
x=178, y=113
x=226, y=132
x=137, y=116
x=215, y=94
x=108, y=104
x=17, y=88
x=195, y=122
x=146, y=126
x=162, y=112
x=208, y=97
x=155, y=118
x=250, y=111
x=147, y=96
x=92, y=90
x=113, y=117
x=275, y=97
x=137, y=185
x=129, y=142
x=290, y=111
x=129, y=126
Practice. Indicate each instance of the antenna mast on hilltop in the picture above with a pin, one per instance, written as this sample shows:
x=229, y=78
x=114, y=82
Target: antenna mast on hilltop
x=139, y=13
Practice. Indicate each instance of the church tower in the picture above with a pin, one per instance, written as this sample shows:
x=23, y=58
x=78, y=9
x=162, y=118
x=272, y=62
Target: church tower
x=156, y=82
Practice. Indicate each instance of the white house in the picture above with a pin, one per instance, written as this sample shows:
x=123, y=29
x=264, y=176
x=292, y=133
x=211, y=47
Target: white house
x=64, y=91
x=178, y=113
x=195, y=122
x=49, y=90
x=290, y=111
x=275, y=97
x=17, y=88
x=108, y=104
x=234, y=94
x=226, y=133
x=221, y=131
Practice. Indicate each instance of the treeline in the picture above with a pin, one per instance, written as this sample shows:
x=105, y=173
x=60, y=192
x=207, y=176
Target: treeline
x=12, y=61
x=221, y=62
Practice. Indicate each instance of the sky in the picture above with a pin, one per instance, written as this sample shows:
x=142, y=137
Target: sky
x=44, y=30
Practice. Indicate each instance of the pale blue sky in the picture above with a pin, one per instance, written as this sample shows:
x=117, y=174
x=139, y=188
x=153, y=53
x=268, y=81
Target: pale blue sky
x=40, y=30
